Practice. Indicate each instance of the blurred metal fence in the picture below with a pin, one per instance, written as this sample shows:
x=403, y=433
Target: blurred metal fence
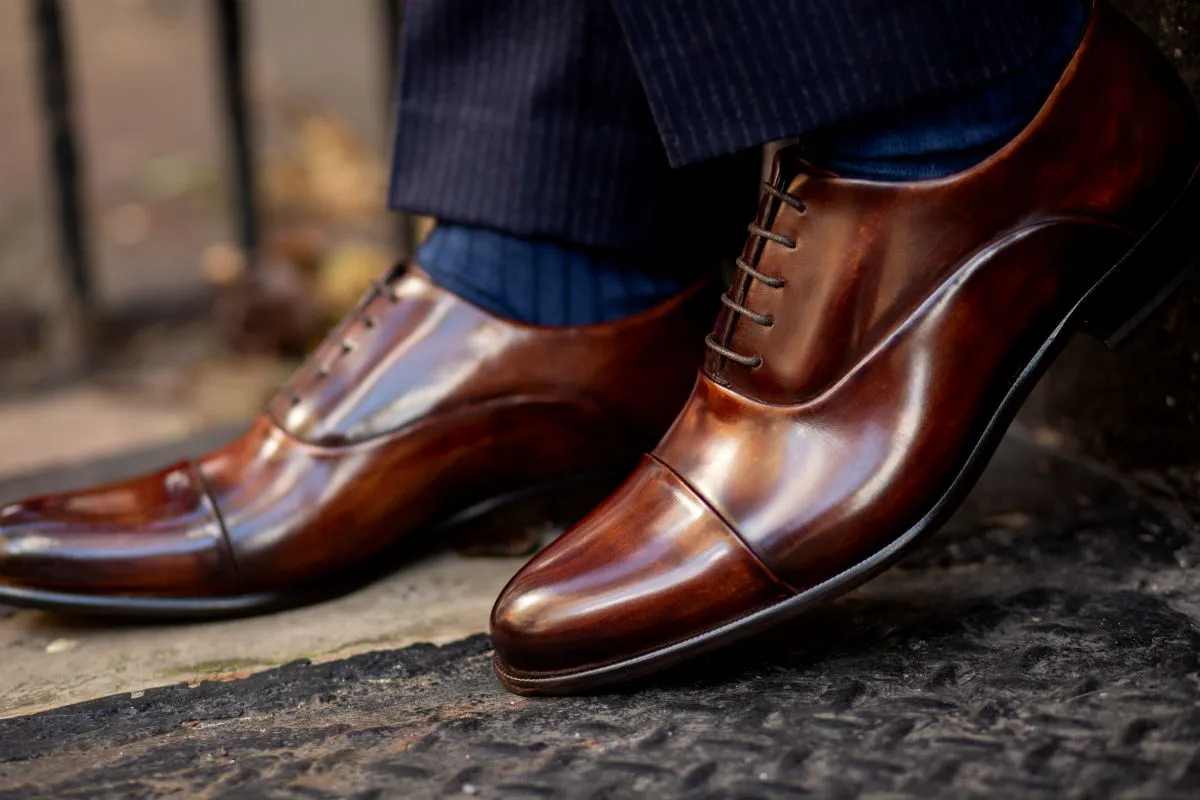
x=230, y=38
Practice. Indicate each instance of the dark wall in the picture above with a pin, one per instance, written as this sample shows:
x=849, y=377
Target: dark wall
x=1139, y=408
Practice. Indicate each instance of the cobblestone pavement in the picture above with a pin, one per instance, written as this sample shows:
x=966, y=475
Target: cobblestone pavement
x=1057, y=658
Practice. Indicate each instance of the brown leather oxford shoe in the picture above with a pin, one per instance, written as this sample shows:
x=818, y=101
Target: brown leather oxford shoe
x=418, y=407
x=873, y=349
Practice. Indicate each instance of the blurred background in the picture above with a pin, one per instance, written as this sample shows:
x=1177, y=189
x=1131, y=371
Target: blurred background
x=166, y=317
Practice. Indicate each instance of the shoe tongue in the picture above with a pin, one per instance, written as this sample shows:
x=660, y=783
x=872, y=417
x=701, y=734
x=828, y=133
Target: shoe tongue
x=793, y=169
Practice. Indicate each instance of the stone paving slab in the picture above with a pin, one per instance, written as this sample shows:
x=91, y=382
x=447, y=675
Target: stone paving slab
x=1016, y=658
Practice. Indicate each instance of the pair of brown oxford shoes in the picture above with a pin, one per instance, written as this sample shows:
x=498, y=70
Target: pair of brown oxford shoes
x=874, y=345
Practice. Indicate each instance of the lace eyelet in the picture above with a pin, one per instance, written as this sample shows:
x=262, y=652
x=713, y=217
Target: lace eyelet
x=348, y=346
x=751, y=270
x=795, y=202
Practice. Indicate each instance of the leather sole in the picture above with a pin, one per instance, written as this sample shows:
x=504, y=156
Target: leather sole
x=562, y=501
x=1114, y=309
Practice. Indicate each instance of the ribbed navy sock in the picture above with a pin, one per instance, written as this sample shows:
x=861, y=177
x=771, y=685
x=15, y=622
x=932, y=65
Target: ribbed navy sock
x=955, y=133
x=536, y=281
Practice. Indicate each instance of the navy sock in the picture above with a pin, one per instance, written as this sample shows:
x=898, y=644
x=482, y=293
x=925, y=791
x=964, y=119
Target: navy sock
x=956, y=133
x=537, y=281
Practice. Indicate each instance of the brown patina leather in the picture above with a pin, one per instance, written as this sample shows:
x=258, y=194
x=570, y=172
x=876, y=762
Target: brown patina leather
x=906, y=313
x=417, y=407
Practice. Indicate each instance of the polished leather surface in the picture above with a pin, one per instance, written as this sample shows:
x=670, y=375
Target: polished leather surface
x=816, y=487
x=1113, y=144
x=417, y=407
x=696, y=571
x=907, y=313
x=139, y=535
x=426, y=352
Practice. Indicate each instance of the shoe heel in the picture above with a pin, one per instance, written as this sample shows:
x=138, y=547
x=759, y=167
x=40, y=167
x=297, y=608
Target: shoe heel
x=1162, y=261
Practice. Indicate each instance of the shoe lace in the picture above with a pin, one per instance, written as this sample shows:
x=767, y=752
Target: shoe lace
x=751, y=270
x=380, y=287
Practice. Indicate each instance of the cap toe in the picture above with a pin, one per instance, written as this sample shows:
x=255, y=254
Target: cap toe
x=155, y=534
x=651, y=566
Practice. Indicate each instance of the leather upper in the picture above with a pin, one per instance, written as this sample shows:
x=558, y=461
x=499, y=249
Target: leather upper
x=137, y=535
x=580, y=601
x=905, y=315
x=418, y=406
x=869, y=253
x=417, y=350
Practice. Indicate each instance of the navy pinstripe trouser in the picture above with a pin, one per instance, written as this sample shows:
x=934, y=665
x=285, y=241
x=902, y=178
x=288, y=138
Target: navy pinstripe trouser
x=633, y=124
